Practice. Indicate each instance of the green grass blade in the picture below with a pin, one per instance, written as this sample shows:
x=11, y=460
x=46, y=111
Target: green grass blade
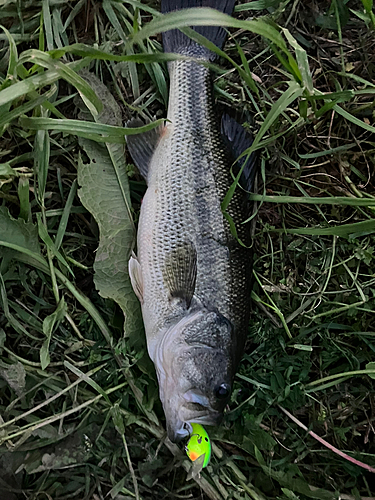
x=47, y=240
x=49, y=324
x=23, y=195
x=35, y=82
x=334, y=200
x=66, y=72
x=346, y=230
x=328, y=152
x=88, y=380
x=208, y=17
x=9, y=116
x=302, y=61
x=103, y=131
x=353, y=119
x=294, y=91
x=107, y=6
x=13, y=54
x=65, y=215
x=47, y=24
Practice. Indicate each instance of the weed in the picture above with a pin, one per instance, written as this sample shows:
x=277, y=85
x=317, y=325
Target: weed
x=79, y=411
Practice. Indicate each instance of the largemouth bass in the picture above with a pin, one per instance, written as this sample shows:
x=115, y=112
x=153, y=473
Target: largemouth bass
x=191, y=274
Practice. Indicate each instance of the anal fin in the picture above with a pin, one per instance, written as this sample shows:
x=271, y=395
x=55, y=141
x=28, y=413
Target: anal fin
x=142, y=146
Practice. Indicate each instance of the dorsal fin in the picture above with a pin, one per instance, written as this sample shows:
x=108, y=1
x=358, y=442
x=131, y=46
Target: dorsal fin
x=238, y=140
x=142, y=146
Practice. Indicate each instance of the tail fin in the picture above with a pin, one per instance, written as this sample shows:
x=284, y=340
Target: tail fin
x=176, y=41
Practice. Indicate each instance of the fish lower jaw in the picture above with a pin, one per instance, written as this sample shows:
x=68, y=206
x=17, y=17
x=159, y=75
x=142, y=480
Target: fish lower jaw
x=184, y=429
x=178, y=430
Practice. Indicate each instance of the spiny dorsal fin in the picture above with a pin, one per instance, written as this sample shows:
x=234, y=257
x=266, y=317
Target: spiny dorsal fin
x=142, y=146
x=238, y=140
x=180, y=272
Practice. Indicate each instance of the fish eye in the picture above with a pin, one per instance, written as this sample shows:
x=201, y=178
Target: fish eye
x=222, y=391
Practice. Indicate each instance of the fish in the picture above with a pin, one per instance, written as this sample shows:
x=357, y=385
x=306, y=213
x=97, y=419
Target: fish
x=191, y=273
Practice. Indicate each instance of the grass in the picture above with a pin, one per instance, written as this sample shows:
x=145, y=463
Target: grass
x=79, y=411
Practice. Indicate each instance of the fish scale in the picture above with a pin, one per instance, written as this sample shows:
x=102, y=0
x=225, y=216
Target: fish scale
x=191, y=273
x=185, y=170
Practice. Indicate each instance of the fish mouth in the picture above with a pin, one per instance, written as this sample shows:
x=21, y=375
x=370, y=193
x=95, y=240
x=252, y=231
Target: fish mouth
x=209, y=419
x=179, y=432
x=183, y=429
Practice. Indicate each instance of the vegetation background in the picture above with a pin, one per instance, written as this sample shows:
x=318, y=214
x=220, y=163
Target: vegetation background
x=79, y=411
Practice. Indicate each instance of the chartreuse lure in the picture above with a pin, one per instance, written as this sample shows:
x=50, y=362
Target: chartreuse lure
x=198, y=445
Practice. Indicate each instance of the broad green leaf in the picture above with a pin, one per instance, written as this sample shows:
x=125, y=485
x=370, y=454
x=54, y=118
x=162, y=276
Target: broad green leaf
x=49, y=324
x=358, y=79
x=105, y=193
x=340, y=96
x=15, y=376
x=17, y=232
x=7, y=171
x=367, y=4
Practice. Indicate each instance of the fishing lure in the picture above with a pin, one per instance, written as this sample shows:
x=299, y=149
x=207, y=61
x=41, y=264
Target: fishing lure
x=199, y=445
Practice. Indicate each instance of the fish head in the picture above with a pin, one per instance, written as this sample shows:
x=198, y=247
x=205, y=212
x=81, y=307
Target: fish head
x=195, y=370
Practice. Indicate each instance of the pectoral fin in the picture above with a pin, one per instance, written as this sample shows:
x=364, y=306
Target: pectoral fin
x=180, y=272
x=142, y=146
x=136, y=277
